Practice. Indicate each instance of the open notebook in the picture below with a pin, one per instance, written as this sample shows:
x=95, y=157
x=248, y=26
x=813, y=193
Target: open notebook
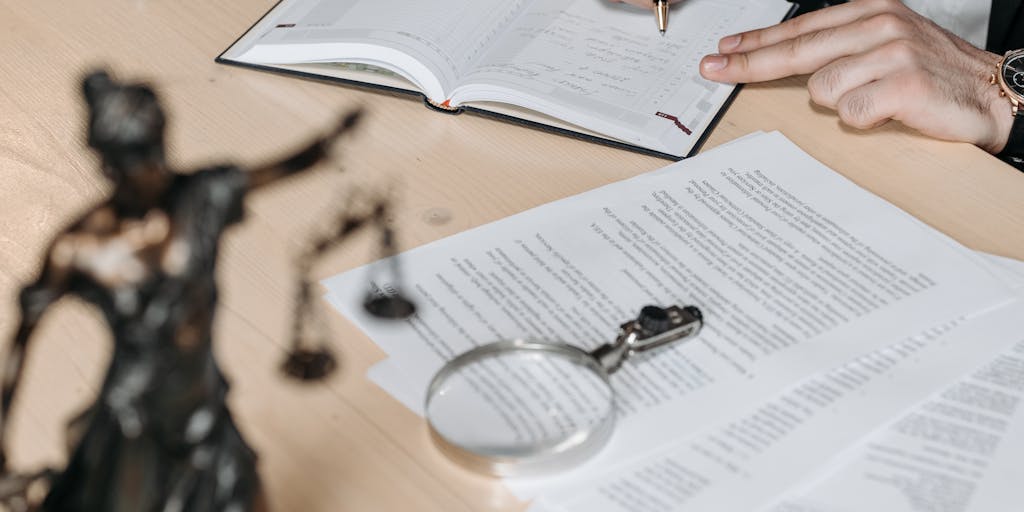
x=584, y=67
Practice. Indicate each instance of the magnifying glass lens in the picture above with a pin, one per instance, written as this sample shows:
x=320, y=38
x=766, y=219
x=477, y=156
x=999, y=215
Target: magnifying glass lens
x=521, y=406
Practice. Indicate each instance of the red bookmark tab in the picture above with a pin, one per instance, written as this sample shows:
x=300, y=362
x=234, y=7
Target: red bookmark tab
x=675, y=120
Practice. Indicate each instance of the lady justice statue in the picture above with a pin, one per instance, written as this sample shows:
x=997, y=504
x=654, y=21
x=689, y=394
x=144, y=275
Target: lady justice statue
x=160, y=436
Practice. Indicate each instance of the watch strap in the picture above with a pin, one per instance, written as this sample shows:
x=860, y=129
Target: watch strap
x=1013, y=152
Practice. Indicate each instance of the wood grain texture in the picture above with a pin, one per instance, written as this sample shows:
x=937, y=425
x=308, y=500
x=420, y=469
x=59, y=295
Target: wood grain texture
x=345, y=444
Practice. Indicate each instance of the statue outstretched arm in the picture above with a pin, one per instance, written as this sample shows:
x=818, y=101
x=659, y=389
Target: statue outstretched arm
x=305, y=158
x=34, y=300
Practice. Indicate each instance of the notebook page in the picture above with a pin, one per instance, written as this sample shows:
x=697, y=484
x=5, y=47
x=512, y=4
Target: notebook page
x=427, y=42
x=604, y=66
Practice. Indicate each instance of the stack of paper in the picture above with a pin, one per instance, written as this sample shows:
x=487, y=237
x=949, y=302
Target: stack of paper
x=852, y=358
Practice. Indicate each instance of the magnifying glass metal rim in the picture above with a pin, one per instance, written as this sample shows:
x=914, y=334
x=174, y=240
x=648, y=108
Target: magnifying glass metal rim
x=547, y=459
x=653, y=328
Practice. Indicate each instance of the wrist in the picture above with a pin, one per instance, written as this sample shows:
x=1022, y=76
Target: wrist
x=1005, y=112
x=1000, y=112
x=1000, y=109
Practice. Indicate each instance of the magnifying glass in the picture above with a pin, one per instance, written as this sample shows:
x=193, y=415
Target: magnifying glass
x=517, y=407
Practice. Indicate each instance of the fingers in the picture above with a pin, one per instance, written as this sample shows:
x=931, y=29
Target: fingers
x=833, y=81
x=922, y=101
x=874, y=61
x=805, y=53
x=906, y=82
x=868, y=89
x=909, y=96
x=830, y=17
x=875, y=103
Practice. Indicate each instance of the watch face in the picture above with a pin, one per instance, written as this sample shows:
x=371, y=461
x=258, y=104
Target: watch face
x=1013, y=72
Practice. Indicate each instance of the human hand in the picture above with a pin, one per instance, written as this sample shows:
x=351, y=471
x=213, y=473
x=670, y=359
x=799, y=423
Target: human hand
x=641, y=3
x=872, y=61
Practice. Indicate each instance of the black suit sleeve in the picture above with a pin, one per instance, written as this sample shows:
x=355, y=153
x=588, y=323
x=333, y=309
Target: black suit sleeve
x=1005, y=26
x=806, y=6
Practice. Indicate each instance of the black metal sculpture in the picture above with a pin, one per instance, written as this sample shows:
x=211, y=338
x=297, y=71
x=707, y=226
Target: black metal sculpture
x=160, y=436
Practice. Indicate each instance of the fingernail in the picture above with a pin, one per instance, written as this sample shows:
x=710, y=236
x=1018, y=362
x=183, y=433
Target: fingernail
x=729, y=42
x=714, y=62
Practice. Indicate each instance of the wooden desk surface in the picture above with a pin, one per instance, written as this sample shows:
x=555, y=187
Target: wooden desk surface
x=345, y=444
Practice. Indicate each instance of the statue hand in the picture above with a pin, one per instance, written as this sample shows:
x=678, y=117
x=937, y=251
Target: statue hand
x=346, y=123
x=305, y=158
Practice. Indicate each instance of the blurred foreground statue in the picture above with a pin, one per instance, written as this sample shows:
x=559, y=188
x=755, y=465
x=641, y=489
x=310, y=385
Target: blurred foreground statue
x=160, y=436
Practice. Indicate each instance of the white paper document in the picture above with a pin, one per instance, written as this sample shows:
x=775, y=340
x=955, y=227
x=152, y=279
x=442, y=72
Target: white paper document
x=745, y=461
x=785, y=258
x=958, y=451
x=765, y=450
x=737, y=465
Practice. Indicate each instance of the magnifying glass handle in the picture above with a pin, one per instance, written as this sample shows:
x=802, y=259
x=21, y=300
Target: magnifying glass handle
x=653, y=327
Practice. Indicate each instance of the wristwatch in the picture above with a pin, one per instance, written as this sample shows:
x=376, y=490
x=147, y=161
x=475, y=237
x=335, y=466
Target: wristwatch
x=1010, y=77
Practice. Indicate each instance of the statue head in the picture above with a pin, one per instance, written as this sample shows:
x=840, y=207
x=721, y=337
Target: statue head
x=126, y=125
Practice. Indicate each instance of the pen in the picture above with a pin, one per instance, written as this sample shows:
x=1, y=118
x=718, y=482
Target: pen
x=661, y=11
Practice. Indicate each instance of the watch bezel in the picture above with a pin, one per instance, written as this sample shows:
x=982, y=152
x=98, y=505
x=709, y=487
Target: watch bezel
x=1016, y=97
